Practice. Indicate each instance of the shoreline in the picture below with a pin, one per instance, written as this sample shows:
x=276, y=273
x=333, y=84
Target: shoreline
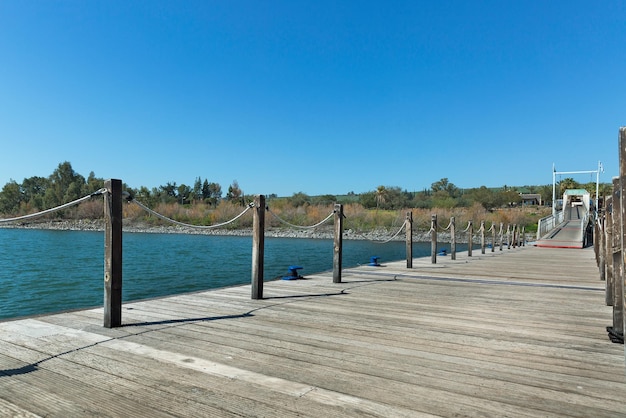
x=379, y=234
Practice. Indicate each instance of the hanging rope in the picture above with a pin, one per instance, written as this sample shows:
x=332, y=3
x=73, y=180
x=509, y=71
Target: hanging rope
x=467, y=229
x=165, y=218
x=388, y=239
x=447, y=227
x=56, y=209
x=300, y=226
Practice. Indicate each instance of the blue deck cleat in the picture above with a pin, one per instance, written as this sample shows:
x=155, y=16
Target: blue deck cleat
x=374, y=261
x=294, y=275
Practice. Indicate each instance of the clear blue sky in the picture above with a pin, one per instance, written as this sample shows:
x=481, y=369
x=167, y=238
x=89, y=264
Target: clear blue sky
x=312, y=96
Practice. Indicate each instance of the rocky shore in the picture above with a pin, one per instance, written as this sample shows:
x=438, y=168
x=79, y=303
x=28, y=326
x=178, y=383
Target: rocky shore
x=326, y=232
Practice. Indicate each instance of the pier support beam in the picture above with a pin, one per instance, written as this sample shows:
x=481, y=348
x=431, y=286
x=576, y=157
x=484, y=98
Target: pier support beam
x=470, y=238
x=258, y=246
x=433, y=239
x=338, y=244
x=113, y=253
x=622, y=196
x=608, y=255
x=452, y=238
x=409, y=239
x=618, y=270
x=482, y=237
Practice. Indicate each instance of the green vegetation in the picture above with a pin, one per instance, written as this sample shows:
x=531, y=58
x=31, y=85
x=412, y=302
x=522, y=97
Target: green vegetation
x=203, y=204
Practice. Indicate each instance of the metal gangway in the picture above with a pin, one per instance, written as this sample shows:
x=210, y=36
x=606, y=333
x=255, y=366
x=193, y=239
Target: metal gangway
x=568, y=227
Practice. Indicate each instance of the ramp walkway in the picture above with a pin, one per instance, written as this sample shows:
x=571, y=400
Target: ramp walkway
x=568, y=234
x=571, y=232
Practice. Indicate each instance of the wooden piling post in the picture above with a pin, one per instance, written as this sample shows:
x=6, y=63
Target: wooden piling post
x=113, y=253
x=470, y=239
x=452, y=238
x=493, y=237
x=258, y=246
x=508, y=236
x=622, y=177
x=501, y=234
x=618, y=270
x=338, y=244
x=409, y=239
x=608, y=256
x=599, y=241
x=433, y=239
x=482, y=237
x=514, y=235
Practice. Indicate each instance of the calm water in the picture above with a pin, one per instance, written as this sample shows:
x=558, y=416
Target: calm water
x=49, y=271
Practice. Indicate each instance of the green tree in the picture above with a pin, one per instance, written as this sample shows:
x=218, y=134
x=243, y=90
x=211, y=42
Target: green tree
x=65, y=185
x=368, y=199
x=34, y=189
x=197, y=189
x=184, y=193
x=488, y=198
x=381, y=196
x=10, y=197
x=566, y=184
x=206, y=192
x=234, y=192
x=300, y=199
x=215, y=192
x=444, y=185
x=93, y=184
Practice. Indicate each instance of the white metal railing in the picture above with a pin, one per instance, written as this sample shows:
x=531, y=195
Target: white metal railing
x=548, y=223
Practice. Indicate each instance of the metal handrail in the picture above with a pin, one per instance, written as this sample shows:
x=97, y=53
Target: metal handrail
x=548, y=223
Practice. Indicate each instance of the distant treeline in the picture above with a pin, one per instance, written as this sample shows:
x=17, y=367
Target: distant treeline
x=65, y=185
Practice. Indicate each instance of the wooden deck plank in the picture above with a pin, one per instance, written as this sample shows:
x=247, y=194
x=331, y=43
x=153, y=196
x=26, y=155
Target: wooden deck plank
x=513, y=333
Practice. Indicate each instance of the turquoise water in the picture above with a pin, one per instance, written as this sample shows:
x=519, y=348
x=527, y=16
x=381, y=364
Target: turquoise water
x=45, y=271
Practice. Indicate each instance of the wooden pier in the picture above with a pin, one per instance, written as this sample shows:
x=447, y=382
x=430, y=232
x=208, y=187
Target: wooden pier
x=513, y=333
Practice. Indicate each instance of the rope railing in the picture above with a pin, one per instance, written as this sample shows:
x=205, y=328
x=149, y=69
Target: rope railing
x=468, y=227
x=165, y=218
x=447, y=227
x=300, y=226
x=386, y=240
x=55, y=209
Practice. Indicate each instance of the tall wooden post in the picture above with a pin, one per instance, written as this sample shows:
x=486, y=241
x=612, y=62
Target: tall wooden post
x=409, y=239
x=470, y=239
x=113, y=253
x=622, y=179
x=598, y=240
x=482, y=237
x=452, y=238
x=338, y=244
x=258, y=246
x=508, y=236
x=501, y=234
x=523, y=237
x=618, y=270
x=493, y=237
x=610, y=232
x=433, y=239
x=514, y=235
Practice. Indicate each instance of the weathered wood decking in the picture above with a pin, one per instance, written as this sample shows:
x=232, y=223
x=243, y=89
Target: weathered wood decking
x=514, y=333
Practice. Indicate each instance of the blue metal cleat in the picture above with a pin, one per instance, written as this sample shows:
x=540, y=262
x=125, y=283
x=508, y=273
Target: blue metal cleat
x=294, y=275
x=374, y=261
